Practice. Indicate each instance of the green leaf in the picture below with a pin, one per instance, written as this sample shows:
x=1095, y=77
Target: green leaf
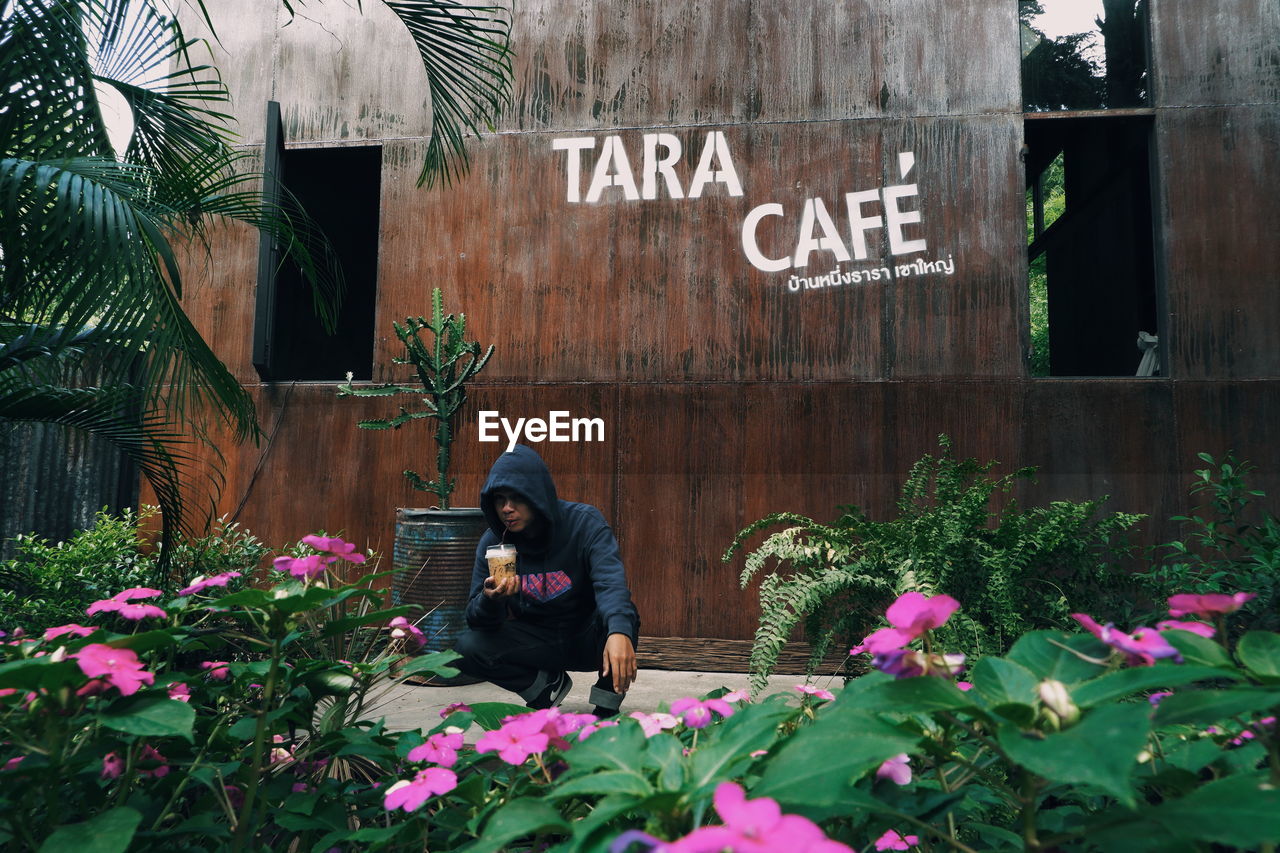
x=1124, y=682
x=1056, y=655
x=1202, y=707
x=150, y=715
x=1100, y=750
x=1004, y=682
x=144, y=642
x=605, y=782
x=109, y=832
x=517, y=819
x=815, y=768
x=489, y=715
x=1241, y=811
x=1198, y=650
x=341, y=626
x=752, y=728
x=1259, y=651
x=612, y=748
x=435, y=663
x=38, y=672
x=915, y=695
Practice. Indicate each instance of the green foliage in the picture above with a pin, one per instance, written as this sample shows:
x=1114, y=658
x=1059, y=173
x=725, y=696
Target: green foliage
x=1231, y=544
x=51, y=583
x=442, y=373
x=958, y=532
x=231, y=739
x=48, y=584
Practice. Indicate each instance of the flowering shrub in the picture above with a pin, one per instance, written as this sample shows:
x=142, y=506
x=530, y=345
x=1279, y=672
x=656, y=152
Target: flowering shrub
x=193, y=720
x=205, y=728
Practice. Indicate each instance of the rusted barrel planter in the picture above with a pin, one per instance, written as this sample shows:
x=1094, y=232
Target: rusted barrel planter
x=434, y=552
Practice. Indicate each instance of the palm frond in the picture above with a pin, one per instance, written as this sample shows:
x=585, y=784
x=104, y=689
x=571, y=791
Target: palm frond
x=466, y=53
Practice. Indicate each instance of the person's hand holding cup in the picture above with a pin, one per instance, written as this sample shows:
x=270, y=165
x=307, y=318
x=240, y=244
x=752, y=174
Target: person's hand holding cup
x=502, y=581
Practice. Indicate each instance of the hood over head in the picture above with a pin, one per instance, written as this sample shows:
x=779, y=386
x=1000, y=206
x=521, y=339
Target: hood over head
x=522, y=470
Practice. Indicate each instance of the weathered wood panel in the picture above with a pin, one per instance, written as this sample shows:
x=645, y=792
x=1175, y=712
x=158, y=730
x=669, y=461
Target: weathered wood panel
x=611, y=64
x=1215, y=53
x=1104, y=437
x=1222, y=259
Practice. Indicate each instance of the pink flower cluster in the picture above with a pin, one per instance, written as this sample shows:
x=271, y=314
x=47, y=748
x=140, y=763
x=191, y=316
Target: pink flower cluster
x=531, y=734
x=1144, y=646
x=750, y=826
x=121, y=603
x=441, y=748
x=910, y=617
x=313, y=565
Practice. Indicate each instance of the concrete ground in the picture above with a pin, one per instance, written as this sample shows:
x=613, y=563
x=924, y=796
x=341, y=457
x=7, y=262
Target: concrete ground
x=409, y=707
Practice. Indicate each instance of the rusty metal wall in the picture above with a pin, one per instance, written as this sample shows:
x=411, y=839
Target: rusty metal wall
x=725, y=395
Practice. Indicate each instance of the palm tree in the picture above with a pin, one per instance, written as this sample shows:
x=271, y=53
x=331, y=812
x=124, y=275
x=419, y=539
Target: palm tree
x=92, y=332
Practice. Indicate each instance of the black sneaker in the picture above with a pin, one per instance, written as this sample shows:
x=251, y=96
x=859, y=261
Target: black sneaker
x=553, y=694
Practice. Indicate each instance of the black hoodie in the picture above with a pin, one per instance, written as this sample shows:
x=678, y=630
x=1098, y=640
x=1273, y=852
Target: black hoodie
x=569, y=572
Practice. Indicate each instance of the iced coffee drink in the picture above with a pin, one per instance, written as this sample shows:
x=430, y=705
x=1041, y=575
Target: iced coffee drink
x=502, y=561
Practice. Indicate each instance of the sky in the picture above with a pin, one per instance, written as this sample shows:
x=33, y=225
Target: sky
x=1065, y=17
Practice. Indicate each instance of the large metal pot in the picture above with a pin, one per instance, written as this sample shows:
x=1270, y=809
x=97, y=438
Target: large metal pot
x=435, y=550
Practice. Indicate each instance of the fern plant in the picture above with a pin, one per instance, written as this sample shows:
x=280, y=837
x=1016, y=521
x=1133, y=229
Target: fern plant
x=958, y=532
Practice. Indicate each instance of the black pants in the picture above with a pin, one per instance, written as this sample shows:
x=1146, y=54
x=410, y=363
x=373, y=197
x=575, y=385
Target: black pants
x=511, y=655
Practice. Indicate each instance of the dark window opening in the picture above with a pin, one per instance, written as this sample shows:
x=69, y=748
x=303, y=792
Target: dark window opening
x=1090, y=246
x=339, y=189
x=1083, y=54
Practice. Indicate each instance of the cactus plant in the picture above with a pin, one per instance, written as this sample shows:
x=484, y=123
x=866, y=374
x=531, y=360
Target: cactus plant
x=444, y=365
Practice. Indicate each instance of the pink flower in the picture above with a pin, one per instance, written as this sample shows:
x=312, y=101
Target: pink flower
x=403, y=629
x=310, y=567
x=891, y=840
x=911, y=615
x=112, y=766
x=334, y=546
x=69, y=628
x=651, y=724
x=218, y=670
x=180, y=692
x=964, y=685
x=300, y=787
x=883, y=640
x=737, y=696
x=13, y=763
x=915, y=613
x=149, y=755
x=1144, y=646
x=755, y=826
x=895, y=769
x=1157, y=698
x=1204, y=629
x=410, y=794
x=279, y=753
x=119, y=603
x=441, y=748
x=201, y=584
x=1208, y=604
x=516, y=740
x=696, y=714
x=455, y=707
x=120, y=667
x=816, y=692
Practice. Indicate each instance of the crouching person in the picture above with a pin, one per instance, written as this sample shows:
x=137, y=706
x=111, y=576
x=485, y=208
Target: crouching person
x=566, y=608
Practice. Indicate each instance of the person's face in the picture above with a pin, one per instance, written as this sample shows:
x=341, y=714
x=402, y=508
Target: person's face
x=514, y=511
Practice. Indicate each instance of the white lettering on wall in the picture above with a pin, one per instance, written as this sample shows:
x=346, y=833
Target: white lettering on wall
x=612, y=169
